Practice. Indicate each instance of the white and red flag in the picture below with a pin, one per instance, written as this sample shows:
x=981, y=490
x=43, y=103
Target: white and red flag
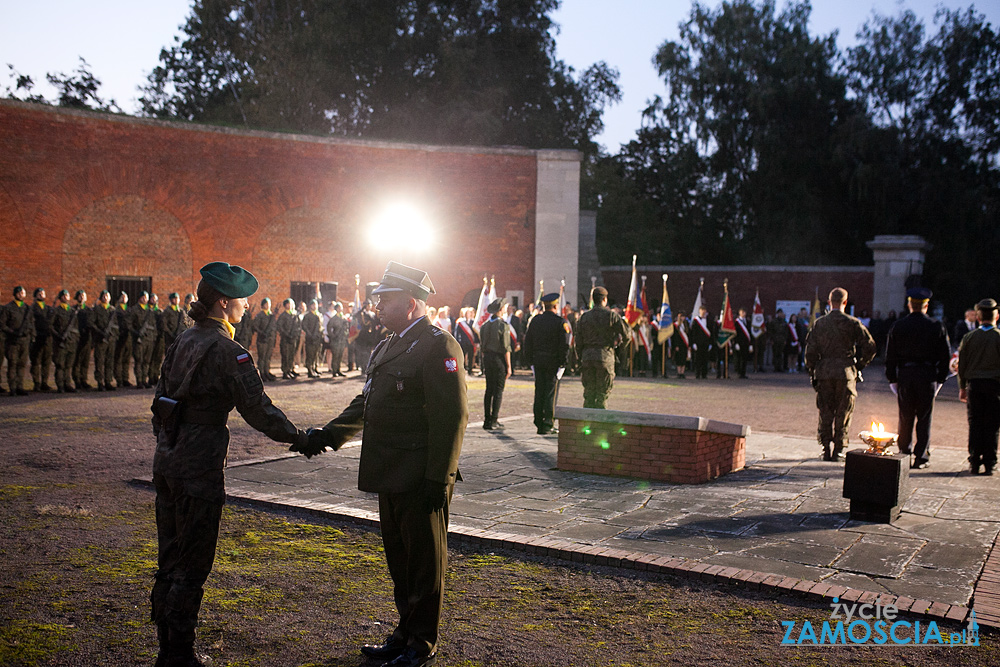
x=757, y=321
x=631, y=312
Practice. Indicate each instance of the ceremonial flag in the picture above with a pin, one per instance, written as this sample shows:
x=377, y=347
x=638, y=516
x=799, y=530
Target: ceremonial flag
x=727, y=328
x=355, y=328
x=698, y=301
x=817, y=309
x=481, y=315
x=541, y=291
x=757, y=322
x=666, y=320
x=631, y=312
x=562, y=298
x=642, y=303
x=640, y=333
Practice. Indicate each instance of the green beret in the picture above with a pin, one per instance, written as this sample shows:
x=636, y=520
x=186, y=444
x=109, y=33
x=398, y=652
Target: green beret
x=230, y=280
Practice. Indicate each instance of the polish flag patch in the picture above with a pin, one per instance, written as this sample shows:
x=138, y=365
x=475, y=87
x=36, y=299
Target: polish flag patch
x=451, y=365
x=243, y=358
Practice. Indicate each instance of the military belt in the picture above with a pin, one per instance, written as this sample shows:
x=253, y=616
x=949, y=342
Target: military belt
x=205, y=417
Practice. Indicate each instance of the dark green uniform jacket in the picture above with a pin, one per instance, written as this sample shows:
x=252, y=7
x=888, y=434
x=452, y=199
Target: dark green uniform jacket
x=413, y=409
x=209, y=373
x=598, y=333
x=837, y=347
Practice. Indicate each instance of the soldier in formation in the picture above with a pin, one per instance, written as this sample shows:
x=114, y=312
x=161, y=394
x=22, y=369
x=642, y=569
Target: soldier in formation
x=599, y=333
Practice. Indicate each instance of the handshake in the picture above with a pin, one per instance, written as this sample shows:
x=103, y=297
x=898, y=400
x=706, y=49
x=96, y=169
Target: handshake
x=316, y=441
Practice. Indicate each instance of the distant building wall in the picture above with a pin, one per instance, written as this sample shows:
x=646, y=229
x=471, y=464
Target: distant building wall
x=86, y=195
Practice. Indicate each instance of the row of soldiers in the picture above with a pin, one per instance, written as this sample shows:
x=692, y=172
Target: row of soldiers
x=68, y=333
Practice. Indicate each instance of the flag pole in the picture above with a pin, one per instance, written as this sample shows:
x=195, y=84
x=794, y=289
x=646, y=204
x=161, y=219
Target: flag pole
x=663, y=345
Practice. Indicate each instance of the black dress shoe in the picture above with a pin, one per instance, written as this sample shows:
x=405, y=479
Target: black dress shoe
x=837, y=457
x=920, y=465
x=410, y=658
x=487, y=426
x=390, y=650
x=974, y=468
x=497, y=426
x=21, y=392
x=988, y=471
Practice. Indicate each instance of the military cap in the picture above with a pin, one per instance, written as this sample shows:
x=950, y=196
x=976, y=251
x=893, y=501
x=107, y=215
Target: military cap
x=986, y=304
x=230, y=280
x=38, y=290
x=550, y=297
x=17, y=289
x=919, y=294
x=598, y=293
x=174, y=295
x=401, y=278
x=494, y=306
x=61, y=292
x=78, y=294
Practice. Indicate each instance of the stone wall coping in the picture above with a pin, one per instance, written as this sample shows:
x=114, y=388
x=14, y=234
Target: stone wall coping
x=652, y=419
x=768, y=268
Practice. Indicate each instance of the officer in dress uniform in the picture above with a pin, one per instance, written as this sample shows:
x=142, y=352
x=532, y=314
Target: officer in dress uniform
x=205, y=374
x=104, y=333
x=545, y=348
x=496, y=342
x=413, y=410
x=979, y=387
x=599, y=332
x=917, y=355
x=65, y=334
x=265, y=325
x=838, y=347
x=19, y=329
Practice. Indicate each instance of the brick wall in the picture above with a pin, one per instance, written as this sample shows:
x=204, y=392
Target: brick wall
x=786, y=283
x=85, y=195
x=631, y=445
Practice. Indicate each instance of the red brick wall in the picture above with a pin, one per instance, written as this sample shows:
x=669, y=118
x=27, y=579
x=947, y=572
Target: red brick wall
x=680, y=456
x=775, y=283
x=85, y=195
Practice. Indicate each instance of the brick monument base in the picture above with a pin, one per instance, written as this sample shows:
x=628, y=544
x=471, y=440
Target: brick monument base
x=665, y=448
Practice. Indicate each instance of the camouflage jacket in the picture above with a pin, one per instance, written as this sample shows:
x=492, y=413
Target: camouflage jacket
x=838, y=346
x=599, y=331
x=64, y=325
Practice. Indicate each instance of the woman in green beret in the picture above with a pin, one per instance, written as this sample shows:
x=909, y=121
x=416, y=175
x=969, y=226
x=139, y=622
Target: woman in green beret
x=204, y=376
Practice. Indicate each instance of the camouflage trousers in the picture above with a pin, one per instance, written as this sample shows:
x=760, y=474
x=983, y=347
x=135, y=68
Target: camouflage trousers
x=598, y=379
x=835, y=400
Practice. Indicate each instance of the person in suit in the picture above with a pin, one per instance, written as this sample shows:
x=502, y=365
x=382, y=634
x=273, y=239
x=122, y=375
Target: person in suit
x=467, y=337
x=965, y=326
x=743, y=344
x=979, y=387
x=702, y=339
x=680, y=344
x=917, y=355
x=413, y=410
x=544, y=351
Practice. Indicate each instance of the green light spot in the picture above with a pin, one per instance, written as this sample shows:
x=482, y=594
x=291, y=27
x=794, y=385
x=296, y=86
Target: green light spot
x=605, y=444
x=622, y=431
x=586, y=430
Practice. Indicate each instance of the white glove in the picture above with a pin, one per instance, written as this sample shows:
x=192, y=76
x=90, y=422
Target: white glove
x=737, y=347
x=937, y=388
x=751, y=349
x=695, y=346
x=895, y=388
x=559, y=373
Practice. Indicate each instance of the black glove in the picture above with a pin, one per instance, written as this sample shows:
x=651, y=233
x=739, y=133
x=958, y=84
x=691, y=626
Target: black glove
x=434, y=495
x=316, y=442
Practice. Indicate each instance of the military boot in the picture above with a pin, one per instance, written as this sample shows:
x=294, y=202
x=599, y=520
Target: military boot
x=163, y=638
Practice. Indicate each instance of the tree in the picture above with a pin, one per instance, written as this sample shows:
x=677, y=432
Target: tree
x=77, y=90
x=443, y=71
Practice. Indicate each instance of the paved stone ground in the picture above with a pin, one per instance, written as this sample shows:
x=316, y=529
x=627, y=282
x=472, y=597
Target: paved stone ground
x=783, y=514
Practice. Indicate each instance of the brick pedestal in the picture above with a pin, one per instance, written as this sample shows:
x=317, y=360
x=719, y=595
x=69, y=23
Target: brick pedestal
x=666, y=448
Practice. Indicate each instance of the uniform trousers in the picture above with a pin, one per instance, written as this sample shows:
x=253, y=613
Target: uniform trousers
x=835, y=400
x=416, y=552
x=701, y=356
x=288, y=346
x=123, y=352
x=41, y=361
x=17, y=361
x=264, y=349
x=64, y=353
x=984, y=421
x=915, y=397
x=598, y=379
x=336, y=356
x=81, y=362
x=104, y=362
x=312, y=354
x=187, y=528
x=545, y=396
x=142, y=354
x=495, y=368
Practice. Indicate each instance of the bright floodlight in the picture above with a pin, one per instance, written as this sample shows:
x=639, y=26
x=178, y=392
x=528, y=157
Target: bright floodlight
x=401, y=226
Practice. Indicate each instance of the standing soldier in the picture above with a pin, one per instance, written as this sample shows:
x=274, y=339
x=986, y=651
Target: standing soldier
x=104, y=333
x=3, y=342
x=544, y=351
x=123, y=346
x=41, y=347
x=917, y=356
x=19, y=328
x=336, y=330
x=265, y=325
x=65, y=336
x=288, y=329
x=368, y=336
x=413, y=413
x=142, y=326
x=205, y=375
x=496, y=339
x=838, y=348
x=312, y=328
x=158, y=345
x=599, y=332
x=680, y=344
x=244, y=330
x=979, y=387
x=172, y=321
x=81, y=362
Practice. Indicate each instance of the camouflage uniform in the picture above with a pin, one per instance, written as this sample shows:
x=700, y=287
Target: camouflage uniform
x=104, y=333
x=312, y=327
x=599, y=331
x=158, y=346
x=838, y=347
x=123, y=346
x=289, y=327
x=65, y=335
x=208, y=374
x=336, y=330
x=81, y=360
x=19, y=328
x=142, y=326
x=174, y=322
x=41, y=345
x=265, y=325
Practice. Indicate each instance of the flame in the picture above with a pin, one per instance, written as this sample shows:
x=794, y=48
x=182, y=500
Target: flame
x=878, y=428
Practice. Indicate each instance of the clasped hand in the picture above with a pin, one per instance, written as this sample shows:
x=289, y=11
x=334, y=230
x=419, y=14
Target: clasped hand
x=317, y=442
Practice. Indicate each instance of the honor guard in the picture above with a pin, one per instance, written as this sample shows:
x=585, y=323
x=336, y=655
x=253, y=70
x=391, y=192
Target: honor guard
x=81, y=361
x=19, y=330
x=104, y=333
x=41, y=346
x=979, y=387
x=546, y=344
x=65, y=335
